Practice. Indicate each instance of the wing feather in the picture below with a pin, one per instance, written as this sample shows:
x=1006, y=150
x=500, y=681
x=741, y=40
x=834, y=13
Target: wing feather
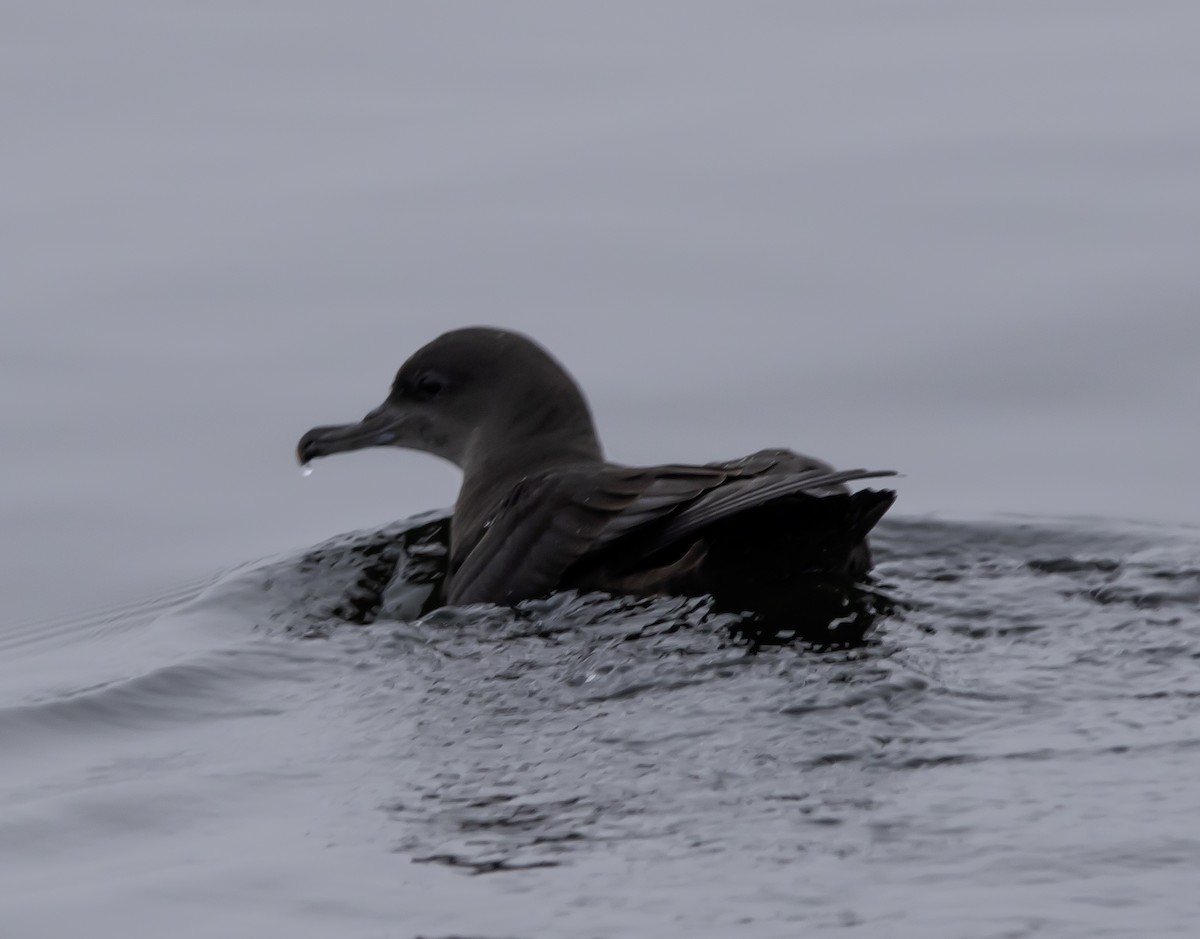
x=549, y=523
x=740, y=495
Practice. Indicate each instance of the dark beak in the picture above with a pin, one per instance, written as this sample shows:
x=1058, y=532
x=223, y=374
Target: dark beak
x=377, y=429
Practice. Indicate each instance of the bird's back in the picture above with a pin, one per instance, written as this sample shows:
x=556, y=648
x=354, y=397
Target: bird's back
x=719, y=528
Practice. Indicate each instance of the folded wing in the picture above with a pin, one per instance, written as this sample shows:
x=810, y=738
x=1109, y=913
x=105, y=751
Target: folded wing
x=549, y=523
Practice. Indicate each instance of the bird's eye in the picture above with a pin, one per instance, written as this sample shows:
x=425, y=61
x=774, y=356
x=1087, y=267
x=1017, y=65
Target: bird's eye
x=427, y=387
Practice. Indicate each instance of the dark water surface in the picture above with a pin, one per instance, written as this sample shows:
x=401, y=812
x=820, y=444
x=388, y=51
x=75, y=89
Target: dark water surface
x=1012, y=752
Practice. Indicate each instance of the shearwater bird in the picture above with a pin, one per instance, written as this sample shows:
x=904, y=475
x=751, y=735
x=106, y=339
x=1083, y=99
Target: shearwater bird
x=541, y=510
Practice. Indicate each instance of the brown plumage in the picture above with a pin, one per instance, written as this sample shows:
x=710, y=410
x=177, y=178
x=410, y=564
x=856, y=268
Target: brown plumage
x=540, y=510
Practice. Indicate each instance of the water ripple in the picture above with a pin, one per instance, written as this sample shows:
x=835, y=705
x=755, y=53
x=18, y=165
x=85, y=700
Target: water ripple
x=1016, y=666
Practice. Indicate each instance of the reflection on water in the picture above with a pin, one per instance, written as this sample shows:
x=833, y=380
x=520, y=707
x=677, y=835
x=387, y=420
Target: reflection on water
x=997, y=689
x=577, y=721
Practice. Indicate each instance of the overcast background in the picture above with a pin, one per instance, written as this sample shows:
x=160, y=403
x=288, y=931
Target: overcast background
x=960, y=240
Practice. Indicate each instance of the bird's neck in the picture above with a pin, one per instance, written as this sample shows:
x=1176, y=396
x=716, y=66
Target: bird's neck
x=492, y=469
x=545, y=428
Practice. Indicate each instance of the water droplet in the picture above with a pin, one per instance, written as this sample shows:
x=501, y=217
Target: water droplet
x=306, y=469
